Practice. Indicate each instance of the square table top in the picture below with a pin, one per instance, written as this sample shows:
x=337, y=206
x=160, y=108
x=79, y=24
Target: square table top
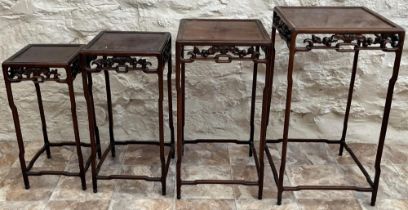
x=222, y=31
x=335, y=20
x=47, y=55
x=127, y=43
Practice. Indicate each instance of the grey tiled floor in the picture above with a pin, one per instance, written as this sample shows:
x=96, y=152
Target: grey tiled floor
x=307, y=164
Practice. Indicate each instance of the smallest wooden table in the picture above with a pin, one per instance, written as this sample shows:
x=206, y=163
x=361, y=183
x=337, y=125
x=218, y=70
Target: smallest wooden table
x=123, y=52
x=344, y=30
x=41, y=63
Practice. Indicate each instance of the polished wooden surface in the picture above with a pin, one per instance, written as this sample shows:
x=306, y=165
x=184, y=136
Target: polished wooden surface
x=211, y=31
x=39, y=63
x=335, y=19
x=114, y=42
x=220, y=41
x=126, y=52
x=45, y=54
x=345, y=30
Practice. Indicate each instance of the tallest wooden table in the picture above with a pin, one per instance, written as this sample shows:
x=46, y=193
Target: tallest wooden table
x=344, y=29
x=222, y=41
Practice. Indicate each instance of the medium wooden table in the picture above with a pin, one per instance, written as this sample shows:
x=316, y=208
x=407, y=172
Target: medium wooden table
x=122, y=52
x=343, y=29
x=44, y=63
x=222, y=41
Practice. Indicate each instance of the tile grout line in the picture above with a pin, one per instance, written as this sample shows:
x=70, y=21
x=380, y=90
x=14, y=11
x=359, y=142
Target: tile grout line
x=361, y=202
x=59, y=178
x=231, y=174
x=110, y=204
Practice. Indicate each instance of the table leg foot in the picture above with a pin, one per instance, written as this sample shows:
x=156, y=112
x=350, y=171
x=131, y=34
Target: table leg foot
x=95, y=186
x=279, y=202
x=26, y=186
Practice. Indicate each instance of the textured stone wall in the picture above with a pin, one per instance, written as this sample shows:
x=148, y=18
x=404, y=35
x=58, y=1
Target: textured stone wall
x=218, y=97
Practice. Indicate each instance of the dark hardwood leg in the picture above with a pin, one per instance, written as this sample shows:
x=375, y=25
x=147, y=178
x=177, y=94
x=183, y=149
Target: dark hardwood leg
x=110, y=113
x=91, y=124
x=263, y=128
x=19, y=136
x=161, y=129
x=384, y=125
x=292, y=52
x=179, y=120
x=170, y=101
x=349, y=99
x=76, y=130
x=253, y=100
x=96, y=129
x=267, y=95
x=43, y=121
x=183, y=81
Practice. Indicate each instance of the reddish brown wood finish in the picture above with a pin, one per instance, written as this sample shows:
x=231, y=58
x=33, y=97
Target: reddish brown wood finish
x=38, y=63
x=127, y=42
x=117, y=51
x=221, y=41
x=55, y=55
x=357, y=29
x=335, y=20
x=222, y=31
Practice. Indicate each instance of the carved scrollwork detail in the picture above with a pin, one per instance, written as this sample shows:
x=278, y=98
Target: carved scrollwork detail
x=283, y=29
x=223, y=54
x=37, y=75
x=121, y=64
x=327, y=41
x=385, y=42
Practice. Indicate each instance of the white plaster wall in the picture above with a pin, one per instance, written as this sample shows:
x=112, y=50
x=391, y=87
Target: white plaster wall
x=218, y=96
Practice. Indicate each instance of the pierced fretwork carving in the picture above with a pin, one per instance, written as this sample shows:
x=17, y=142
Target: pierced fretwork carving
x=385, y=41
x=37, y=75
x=282, y=28
x=121, y=64
x=223, y=54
